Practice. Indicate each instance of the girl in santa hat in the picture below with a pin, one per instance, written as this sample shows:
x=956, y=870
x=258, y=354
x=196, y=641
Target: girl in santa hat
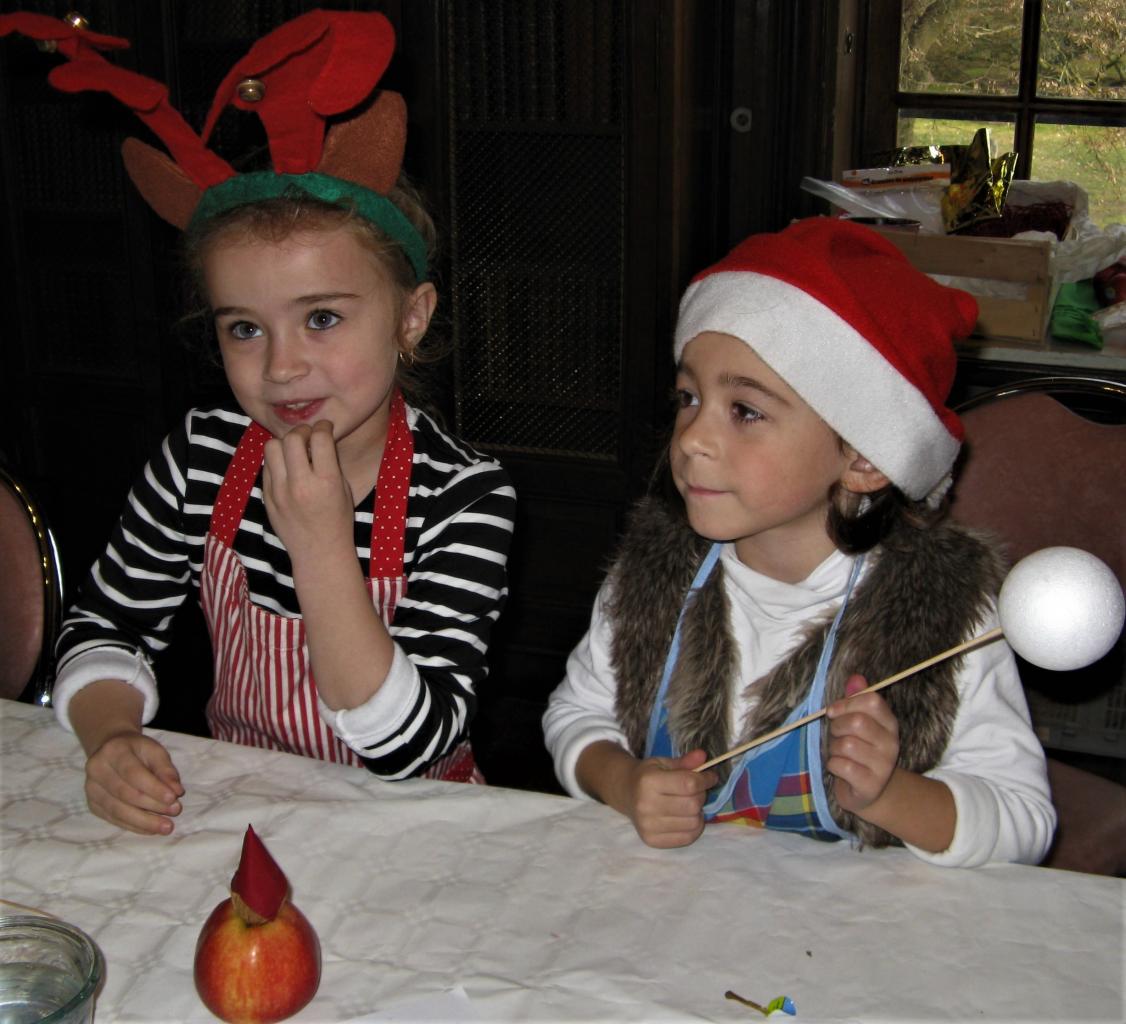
x=801, y=554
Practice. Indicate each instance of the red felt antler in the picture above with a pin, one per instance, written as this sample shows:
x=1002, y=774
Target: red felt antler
x=319, y=66
x=148, y=99
x=70, y=38
x=314, y=67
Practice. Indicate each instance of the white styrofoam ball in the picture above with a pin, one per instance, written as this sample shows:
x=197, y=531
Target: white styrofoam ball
x=1061, y=608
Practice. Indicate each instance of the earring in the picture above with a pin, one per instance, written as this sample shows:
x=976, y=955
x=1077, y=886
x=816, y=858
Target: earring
x=407, y=359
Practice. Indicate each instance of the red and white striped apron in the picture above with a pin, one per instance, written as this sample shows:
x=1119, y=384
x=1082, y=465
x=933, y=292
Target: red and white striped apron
x=265, y=694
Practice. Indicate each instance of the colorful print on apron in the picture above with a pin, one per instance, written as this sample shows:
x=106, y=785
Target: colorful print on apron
x=778, y=785
x=264, y=693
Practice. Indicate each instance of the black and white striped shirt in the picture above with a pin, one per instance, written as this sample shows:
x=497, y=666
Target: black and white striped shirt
x=459, y=523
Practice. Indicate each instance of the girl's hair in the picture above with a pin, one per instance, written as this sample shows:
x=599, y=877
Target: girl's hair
x=857, y=522
x=276, y=219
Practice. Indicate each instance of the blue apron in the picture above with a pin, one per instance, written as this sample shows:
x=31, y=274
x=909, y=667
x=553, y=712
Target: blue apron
x=776, y=785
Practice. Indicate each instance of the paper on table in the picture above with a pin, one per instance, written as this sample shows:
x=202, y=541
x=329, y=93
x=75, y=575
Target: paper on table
x=452, y=1006
x=543, y=907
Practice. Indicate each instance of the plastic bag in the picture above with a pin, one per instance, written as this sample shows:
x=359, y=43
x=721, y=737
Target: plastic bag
x=1086, y=248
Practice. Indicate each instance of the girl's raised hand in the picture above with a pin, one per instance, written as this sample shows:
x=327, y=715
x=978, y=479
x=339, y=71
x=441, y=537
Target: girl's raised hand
x=307, y=496
x=131, y=782
x=863, y=746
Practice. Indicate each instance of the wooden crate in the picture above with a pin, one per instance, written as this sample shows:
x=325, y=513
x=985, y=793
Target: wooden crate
x=1024, y=316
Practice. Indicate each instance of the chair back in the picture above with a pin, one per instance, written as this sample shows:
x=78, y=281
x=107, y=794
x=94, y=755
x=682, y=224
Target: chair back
x=1037, y=475
x=30, y=594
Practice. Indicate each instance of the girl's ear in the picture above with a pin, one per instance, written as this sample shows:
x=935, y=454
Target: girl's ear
x=861, y=477
x=417, y=311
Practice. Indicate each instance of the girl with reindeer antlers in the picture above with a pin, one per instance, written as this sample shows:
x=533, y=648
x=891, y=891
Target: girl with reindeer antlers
x=349, y=555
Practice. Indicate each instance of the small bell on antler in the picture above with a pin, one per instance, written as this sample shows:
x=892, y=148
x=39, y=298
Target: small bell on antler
x=75, y=21
x=251, y=90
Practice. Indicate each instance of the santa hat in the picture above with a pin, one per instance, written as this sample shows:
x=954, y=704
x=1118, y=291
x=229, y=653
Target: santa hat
x=866, y=340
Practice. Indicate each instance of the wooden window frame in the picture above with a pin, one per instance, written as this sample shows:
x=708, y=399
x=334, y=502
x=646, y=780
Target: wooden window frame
x=879, y=99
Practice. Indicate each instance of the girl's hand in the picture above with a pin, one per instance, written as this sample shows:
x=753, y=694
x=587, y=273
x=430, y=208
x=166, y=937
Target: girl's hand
x=666, y=799
x=863, y=746
x=131, y=782
x=307, y=497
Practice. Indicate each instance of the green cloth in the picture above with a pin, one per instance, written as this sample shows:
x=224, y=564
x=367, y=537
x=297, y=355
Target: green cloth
x=248, y=188
x=1071, y=315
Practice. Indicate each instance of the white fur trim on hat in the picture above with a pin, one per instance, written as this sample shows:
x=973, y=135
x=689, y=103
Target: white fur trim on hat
x=834, y=369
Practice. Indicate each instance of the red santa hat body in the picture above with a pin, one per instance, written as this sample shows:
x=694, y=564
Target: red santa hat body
x=866, y=340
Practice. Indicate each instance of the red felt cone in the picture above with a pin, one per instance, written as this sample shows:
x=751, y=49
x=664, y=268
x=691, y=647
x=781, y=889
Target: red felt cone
x=259, y=882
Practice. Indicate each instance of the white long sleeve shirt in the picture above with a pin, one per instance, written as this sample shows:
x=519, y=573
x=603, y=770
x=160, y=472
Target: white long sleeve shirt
x=993, y=765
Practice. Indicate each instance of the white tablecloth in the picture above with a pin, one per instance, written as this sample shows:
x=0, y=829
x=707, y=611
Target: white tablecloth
x=542, y=908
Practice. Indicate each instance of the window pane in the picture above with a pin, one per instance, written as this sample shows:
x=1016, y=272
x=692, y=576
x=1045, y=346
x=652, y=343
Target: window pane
x=1093, y=156
x=915, y=130
x=1083, y=50
x=961, y=46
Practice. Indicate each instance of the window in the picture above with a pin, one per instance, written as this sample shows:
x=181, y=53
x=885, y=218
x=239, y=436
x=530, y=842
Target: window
x=1047, y=77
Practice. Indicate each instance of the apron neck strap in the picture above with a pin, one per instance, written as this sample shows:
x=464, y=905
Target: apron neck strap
x=389, y=517
x=392, y=488
x=657, y=741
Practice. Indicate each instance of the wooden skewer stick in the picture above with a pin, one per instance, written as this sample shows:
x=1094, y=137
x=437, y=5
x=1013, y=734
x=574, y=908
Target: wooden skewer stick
x=977, y=641
x=746, y=1002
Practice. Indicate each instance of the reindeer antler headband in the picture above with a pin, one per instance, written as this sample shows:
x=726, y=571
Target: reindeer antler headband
x=318, y=66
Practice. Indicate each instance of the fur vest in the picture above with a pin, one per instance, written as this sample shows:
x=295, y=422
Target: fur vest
x=924, y=591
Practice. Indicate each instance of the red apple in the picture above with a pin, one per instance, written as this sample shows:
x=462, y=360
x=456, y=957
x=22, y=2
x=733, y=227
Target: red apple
x=256, y=972
x=257, y=959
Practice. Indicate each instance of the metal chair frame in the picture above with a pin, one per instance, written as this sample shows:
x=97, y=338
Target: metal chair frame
x=42, y=678
x=1062, y=384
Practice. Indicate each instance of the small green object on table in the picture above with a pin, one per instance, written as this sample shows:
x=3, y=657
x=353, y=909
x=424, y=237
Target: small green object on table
x=783, y=1003
x=1071, y=315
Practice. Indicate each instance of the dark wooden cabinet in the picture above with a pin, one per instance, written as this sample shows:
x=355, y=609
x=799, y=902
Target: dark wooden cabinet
x=582, y=160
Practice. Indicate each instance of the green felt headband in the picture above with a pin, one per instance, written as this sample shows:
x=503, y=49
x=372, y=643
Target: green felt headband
x=249, y=188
